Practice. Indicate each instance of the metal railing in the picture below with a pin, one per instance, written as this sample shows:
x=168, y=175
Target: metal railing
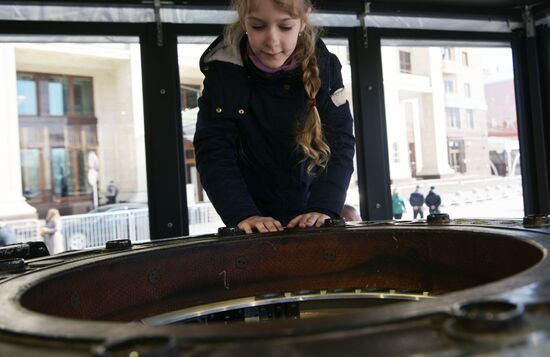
x=93, y=230
x=26, y=230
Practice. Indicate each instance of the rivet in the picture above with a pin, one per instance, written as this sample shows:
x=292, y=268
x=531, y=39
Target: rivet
x=334, y=222
x=118, y=244
x=536, y=220
x=241, y=111
x=170, y=225
x=163, y=91
x=229, y=231
x=438, y=218
x=218, y=110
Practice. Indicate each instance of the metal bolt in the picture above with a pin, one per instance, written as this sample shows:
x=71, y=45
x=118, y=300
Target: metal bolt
x=163, y=91
x=488, y=316
x=153, y=277
x=369, y=88
x=330, y=255
x=242, y=262
x=378, y=205
x=229, y=231
x=118, y=244
x=438, y=218
x=15, y=265
x=536, y=220
x=170, y=225
x=334, y=222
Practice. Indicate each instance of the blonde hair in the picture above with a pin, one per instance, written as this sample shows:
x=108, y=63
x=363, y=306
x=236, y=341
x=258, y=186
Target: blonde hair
x=309, y=138
x=52, y=213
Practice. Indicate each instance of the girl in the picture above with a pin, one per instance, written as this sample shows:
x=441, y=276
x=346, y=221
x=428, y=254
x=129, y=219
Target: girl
x=274, y=143
x=52, y=232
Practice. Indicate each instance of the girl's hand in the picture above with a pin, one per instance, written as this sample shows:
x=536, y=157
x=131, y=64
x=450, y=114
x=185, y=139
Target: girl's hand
x=309, y=219
x=261, y=224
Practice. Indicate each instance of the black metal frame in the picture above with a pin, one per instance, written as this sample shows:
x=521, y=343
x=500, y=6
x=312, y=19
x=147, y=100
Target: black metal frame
x=474, y=8
x=162, y=111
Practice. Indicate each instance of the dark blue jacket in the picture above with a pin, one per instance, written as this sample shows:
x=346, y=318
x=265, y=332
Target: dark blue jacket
x=245, y=145
x=416, y=199
x=433, y=199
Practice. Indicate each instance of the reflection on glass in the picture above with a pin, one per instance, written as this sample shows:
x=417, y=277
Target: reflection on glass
x=30, y=173
x=453, y=109
x=26, y=95
x=58, y=96
x=83, y=99
x=58, y=173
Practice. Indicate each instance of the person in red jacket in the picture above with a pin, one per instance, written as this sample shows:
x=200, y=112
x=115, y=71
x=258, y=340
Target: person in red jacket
x=274, y=143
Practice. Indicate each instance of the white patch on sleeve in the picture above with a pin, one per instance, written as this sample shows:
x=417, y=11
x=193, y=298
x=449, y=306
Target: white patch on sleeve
x=339, y=97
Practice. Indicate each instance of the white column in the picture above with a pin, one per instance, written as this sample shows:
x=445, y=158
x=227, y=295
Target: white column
x=433, y=123
x=139, y=125
x=396, y=126
x=12, y=203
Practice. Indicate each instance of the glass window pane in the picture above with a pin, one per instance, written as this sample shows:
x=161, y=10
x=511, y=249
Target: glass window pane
x=59, y=170
x=58, y=96
x=83, y=97
x=77, y=152
x=26, y=95
x=30, y=173
x=340, y=48
x=202, y=215
x=452, y=131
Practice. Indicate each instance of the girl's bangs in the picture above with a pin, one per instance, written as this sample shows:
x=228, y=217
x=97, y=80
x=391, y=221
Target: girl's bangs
x=292, y=7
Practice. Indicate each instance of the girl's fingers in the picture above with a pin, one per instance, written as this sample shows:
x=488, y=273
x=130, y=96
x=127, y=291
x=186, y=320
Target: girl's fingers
x=278, y=225
x=260, y=226
x=270, y=225
x=245, y=227
x=294, y=221
x=320, y=221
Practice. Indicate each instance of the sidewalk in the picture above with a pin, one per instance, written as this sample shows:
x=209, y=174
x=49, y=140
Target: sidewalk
x=464, y=197
x=473, y=197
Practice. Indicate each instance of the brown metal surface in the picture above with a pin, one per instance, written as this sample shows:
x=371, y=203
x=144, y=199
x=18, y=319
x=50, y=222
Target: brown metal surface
x=88, y=299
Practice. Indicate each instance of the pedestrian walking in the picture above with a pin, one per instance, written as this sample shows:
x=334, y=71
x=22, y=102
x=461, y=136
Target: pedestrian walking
x=398, y=205
x=433, y=201
x=53, y=238
x=112, y=192
x=416, y=200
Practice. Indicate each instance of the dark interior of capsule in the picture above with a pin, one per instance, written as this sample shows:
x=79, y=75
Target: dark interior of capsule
x=139, y=285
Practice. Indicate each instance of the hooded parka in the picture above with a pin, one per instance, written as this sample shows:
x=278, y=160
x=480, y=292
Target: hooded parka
x=245, y=139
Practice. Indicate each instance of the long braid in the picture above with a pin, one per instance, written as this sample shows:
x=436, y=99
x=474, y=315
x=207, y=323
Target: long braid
x=310, y=138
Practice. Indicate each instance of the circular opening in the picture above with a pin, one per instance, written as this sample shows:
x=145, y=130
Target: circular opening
x=322, y=271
